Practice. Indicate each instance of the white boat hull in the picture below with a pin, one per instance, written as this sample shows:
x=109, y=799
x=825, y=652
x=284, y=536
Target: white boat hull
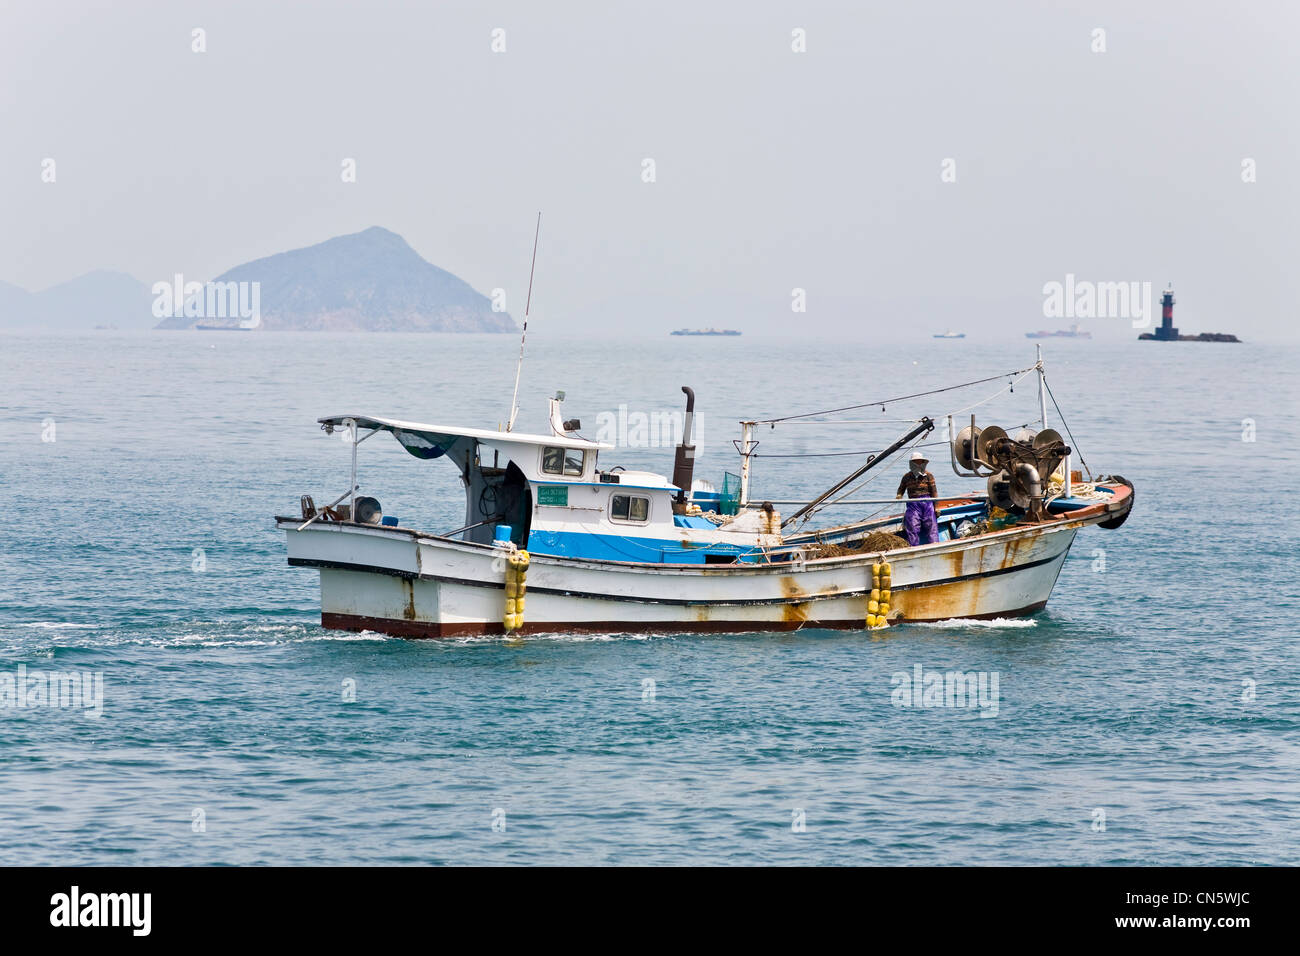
x=405, y=583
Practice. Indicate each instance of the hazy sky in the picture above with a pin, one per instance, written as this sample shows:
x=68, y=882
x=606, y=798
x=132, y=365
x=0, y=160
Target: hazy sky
x=774, y=169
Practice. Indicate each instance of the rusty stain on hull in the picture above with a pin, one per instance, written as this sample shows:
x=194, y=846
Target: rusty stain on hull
x=408, y=587
x=940, y=602
x=795, y=613
x=960, y=599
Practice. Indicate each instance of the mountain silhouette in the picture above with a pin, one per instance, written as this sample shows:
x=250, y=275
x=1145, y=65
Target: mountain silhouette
x=370, y=281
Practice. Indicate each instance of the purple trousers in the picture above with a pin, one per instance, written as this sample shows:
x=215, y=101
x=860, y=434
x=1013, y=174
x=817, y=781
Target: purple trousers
x=919, y=515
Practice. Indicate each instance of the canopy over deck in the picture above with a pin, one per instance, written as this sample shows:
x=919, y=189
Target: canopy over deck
x=499, y=468
x=432, y=441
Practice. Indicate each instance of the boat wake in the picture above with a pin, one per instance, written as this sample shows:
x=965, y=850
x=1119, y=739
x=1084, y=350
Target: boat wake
x=558, y=637
x=997, y=622
x=56, y=625
x=196, y=635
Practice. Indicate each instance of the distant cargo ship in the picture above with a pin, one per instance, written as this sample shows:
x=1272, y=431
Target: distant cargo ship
x=704, y=332
x=950, y=334
x=1073, y=332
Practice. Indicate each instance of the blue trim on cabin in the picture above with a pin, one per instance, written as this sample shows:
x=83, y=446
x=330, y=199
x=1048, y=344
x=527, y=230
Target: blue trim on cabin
x=614, y=547
x=545, y=478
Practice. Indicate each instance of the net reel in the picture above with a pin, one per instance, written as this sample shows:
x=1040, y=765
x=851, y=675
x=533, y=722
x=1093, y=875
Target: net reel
x=1017, y=468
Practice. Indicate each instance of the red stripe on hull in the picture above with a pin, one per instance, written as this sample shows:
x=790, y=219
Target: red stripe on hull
x=430, y=630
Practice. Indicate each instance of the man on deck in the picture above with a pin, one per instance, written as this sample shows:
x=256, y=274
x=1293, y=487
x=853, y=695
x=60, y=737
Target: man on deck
x=919, y=483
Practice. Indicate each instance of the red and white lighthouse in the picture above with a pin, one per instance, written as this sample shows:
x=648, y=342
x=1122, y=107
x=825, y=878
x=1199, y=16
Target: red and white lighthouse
x=1167, y=332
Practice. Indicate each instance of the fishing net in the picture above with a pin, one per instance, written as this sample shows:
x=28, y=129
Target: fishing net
x=883, y=541
x=875, y=542
x=729, y=497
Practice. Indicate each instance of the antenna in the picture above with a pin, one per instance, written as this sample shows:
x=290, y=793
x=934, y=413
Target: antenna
x=514, y=399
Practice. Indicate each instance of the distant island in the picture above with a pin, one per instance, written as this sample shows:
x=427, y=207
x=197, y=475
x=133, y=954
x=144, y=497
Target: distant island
x=704, y=332
x=97, y=300
x=370, y=281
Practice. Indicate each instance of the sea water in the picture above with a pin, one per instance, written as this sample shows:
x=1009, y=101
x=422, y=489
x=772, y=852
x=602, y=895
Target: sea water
x=1148, y=716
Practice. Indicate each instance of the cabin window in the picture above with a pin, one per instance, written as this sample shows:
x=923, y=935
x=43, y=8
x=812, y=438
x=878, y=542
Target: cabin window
x=563, y=461
x=629, y=508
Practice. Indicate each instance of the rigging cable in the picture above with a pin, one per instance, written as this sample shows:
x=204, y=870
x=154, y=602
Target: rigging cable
x=863, y=452
x=901, y=398
x=1010, y=385
x=794, y=419
x=1073, y=443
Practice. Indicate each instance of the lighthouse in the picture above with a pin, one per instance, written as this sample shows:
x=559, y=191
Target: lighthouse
x=1167, y=332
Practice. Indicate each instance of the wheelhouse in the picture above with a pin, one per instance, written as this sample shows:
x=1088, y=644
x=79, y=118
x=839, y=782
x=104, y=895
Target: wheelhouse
x=549, y=491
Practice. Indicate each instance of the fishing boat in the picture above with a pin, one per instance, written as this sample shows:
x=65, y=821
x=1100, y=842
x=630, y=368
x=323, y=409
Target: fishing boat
x=950, y=334
x=555, y=539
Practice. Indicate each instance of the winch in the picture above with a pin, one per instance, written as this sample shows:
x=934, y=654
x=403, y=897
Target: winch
x=1017, y=468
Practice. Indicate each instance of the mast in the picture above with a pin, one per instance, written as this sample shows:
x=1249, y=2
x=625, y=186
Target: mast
x=1067, y=490
x=352, y=494
x=746, y=446
x=1042, y=392
x=519, y=367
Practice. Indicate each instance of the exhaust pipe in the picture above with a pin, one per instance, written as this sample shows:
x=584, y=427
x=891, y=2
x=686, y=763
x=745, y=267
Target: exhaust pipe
x=684, y=463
